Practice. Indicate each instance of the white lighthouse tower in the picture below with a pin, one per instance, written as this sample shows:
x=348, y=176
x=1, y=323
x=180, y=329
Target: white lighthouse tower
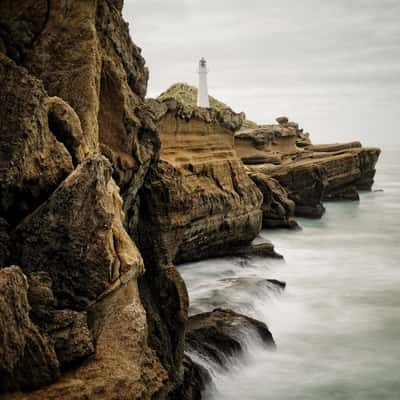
x=202, y=93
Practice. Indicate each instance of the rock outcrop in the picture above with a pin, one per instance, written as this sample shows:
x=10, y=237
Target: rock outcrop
x=288, y=169
x=199, y=196
x=219, y=334
x=74, y=87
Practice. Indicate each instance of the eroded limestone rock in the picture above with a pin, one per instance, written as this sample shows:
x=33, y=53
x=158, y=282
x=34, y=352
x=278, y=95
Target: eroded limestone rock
x=27, y=358
x=77, y=236
x=33, y=161
x=199, y=197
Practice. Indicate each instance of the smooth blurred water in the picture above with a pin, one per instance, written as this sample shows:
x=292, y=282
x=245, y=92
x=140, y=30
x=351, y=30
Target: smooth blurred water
x=337, y=324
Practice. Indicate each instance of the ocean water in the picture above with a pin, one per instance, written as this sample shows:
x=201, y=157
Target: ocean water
x=337, y=323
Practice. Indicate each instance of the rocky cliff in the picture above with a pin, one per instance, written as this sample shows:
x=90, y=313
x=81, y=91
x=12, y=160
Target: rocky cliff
x=199, y=195
x=77, y=141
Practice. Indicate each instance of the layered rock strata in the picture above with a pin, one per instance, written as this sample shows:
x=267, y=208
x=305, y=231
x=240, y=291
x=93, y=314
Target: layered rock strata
x=302, y=173
x=199, y=195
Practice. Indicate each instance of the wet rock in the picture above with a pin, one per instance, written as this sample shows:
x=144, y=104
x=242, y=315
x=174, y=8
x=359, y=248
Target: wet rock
x=218, y=335
x=347, y=193
x=164, y=296
x=256, y=250
x=27, y=359
x=196, y=377
x=33, y=161
x=280, y=284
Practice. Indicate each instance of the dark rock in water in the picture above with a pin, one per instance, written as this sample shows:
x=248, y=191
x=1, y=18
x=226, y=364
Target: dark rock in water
x=349, y=193
x=195, y=379
x=27, y=358
x=256, y=250
x=314, y=211
x=217, y=335
x=278, y=283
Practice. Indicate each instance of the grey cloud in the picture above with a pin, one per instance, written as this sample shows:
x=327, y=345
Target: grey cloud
x=329, y=63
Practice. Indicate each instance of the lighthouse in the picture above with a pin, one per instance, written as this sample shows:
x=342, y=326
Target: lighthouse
x=202, y=92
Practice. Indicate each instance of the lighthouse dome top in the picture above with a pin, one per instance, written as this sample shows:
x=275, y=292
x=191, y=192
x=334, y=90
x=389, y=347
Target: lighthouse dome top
x=203, y=62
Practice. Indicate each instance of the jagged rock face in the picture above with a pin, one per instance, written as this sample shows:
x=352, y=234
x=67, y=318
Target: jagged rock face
x=83, y=268
x=83, y=54
x=306, y=176
x=33, y=161
x=67, y=329
x=196, y=202
x=124, y=367
x=278, y=209
x=77, y=237
x=74, y=249
x=199, y=195
x=27, y=359
x=252, y=144
x=304, y=183
x=270, y=143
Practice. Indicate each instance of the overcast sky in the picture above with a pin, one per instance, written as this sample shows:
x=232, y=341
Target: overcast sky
x=331, y=65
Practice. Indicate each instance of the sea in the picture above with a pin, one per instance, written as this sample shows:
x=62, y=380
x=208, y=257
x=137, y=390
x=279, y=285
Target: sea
x=337, y=323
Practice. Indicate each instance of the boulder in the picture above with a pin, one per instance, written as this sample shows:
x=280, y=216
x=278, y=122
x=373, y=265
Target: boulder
x=27, y=358
x=219, y=334
x=77, y=236
x=282, y=120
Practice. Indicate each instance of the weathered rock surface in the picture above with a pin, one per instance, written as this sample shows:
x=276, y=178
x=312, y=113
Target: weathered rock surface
x=83, y=267
x=218, y=335
x=27, y=359
x=67, y=329
x=83, y=54
x=278, y=209
x=199, y=195
x=71, y=241
x=195, y=380
x=306, y=175
x=77, y=236
x=32, y=161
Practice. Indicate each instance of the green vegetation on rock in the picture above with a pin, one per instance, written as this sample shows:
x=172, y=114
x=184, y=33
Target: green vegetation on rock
x=187, y=95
